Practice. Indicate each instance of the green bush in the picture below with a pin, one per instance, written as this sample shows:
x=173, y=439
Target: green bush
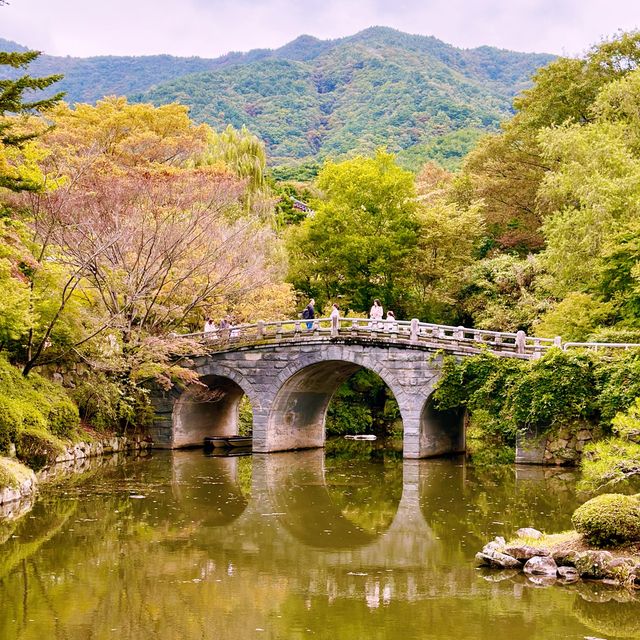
x=33, y=411
x=63, y=418
x=610, y=462
x=627, y=425
x=618, y=383
x=10, y=422
x=38, y=448
x=608, y=520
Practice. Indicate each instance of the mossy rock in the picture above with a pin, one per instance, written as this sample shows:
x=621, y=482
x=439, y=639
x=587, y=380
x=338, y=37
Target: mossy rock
x=608, y=520
x=38, y=448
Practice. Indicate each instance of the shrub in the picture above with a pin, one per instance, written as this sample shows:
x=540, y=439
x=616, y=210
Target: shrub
x=38, y=448
x=609, y=519
x=63, y=418
x=618, y=380
x=10, y=422
x=627, y=425
x=610, y=462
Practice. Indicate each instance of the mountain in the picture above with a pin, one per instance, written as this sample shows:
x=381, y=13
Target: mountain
x=315, y=98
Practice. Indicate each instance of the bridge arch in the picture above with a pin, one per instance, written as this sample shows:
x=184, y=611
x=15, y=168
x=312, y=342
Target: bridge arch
x=297, y=413
x=210, y=407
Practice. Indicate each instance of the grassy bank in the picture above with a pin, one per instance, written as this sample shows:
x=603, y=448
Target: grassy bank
x=37, y=418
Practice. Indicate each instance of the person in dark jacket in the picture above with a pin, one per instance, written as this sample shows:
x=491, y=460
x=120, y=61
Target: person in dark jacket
x=309, y=313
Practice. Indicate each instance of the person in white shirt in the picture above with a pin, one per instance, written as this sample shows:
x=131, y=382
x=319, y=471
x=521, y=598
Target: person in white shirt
x=391, y=325
x=210, y=329
x=375, y=313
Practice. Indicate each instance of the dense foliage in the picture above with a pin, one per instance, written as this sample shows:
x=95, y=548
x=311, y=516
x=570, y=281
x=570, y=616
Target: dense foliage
x=561, y=389
x=377, y=88
x=34, y=414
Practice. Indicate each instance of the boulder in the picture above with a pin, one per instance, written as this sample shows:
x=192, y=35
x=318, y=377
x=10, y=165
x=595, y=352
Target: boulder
x=497, y=544
x=565, y=558
x=541, y=566
x=528, y=532
x=524, y=552
x=593, y=564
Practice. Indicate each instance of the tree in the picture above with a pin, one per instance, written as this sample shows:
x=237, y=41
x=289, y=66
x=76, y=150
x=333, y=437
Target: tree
x=132, y=241
x=13, y=132
x=507, y=170
x=362, y=236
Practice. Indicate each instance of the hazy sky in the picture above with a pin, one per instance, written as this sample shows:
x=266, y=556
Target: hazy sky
x=209, y=28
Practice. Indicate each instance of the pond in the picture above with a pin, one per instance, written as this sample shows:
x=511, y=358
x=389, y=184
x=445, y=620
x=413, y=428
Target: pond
x=347, y=543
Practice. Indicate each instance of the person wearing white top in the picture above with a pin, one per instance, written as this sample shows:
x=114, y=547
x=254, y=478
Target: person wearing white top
x=390, y=324
x=375, y=313
x=210, y=329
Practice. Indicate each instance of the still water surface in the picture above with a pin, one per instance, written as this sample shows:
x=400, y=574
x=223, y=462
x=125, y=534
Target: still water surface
x=348, y=543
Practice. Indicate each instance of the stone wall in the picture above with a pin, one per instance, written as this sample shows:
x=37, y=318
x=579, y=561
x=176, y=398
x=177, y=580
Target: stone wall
x=562, y=447
x=27, y=480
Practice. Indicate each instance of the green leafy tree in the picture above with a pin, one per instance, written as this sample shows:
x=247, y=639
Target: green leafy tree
x=362, y=237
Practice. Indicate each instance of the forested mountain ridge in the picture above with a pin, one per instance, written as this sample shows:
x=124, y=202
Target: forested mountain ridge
x=314, y=98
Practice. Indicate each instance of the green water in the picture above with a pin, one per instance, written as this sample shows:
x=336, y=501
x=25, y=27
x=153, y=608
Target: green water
x=348, y=543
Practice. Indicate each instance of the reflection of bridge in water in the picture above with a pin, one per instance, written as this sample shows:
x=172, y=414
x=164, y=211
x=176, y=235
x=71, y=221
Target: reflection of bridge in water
x=290, y=512
x=289, y=497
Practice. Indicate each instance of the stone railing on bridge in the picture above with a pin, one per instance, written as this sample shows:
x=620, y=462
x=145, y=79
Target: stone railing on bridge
x=399, y=332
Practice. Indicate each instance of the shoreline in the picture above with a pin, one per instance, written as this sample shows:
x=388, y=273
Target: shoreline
x=22, y=483
x=563, y=559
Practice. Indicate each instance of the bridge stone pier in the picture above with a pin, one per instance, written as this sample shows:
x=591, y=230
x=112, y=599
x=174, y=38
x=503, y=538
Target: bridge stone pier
x=290, y=385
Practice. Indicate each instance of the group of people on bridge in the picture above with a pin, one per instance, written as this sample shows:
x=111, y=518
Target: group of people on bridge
x=376, y=315
x=225, y=327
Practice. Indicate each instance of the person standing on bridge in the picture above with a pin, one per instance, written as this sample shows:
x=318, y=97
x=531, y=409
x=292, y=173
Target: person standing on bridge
x=390, y=324
x=210, y=329
x=309, y=313
x=375, y=313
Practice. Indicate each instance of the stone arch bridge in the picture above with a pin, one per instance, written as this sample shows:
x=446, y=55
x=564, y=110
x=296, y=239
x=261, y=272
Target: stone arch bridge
x=290, y=370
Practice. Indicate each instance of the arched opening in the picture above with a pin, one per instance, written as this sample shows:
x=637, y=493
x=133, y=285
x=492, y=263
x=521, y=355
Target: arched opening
x=213, y=407
x=298, y=416
x=441, y=432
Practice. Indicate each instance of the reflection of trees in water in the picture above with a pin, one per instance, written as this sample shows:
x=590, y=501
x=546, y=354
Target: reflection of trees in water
x=364, y=481
x=474, y=504
x=156, y=568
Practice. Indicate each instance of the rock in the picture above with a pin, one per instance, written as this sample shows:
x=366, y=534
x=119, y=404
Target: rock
x=525, y=552
x=528, y=532
x=566, y=558
x=568, y=575
x=497, y=560
x=584, y=434
x=593, y=564
x=541, y=566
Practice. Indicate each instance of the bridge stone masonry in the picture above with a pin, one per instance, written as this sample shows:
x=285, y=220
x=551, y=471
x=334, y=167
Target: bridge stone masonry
x=290, y=372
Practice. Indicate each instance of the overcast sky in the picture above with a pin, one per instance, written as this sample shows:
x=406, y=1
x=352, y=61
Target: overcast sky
x=210, y=28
